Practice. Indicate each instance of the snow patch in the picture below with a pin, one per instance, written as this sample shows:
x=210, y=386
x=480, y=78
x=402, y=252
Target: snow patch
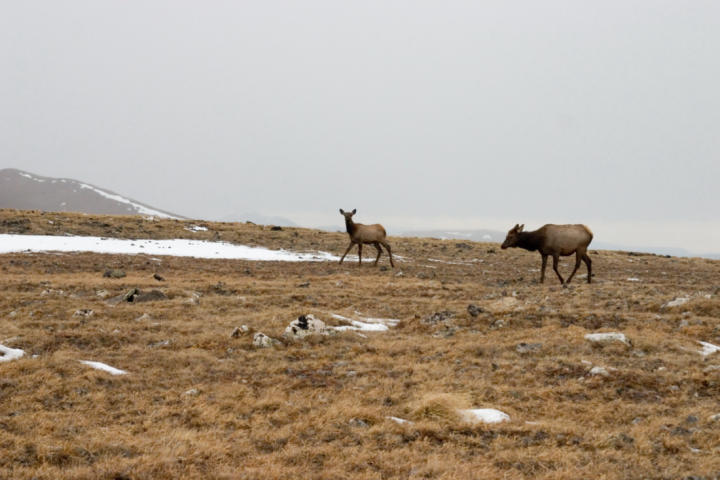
x=633, y=279
x=366, y=324
x=484, y=415
x=9, y=354
x=196, y=228
x=708, y=348
x=401, y=421
x=103, y=367
x=677, y=302
x=140, y=209
x=607, y=337
x=176, y=247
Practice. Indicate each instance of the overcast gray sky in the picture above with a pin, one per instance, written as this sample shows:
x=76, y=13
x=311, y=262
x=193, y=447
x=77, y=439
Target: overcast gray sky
x=457, y=114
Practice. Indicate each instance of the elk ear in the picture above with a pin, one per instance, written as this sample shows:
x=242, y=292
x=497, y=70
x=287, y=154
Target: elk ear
x=354, y=211
x=342, y=212
x=516, y=227
x=521, y=227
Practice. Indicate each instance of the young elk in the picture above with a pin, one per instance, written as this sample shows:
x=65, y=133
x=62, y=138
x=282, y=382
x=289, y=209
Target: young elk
x=554, y=240
x=359, y=234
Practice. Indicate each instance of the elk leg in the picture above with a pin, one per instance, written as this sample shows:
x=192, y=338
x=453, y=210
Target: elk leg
x=387, y=247
x=377, y=246
x=556, y=258
x=588, y=262
x=359, y=254
x=578, y=259
x=542, y=270
x=346, y=252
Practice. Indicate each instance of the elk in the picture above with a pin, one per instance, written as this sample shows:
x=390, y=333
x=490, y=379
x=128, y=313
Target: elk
x=554, y=240
x=361, y=234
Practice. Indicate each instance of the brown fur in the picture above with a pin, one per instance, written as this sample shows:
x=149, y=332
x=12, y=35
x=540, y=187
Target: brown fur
x=555, y=240
x=365, y=234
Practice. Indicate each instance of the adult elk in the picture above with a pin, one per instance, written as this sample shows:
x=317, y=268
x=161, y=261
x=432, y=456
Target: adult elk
x=555, y=240
x=365, y=234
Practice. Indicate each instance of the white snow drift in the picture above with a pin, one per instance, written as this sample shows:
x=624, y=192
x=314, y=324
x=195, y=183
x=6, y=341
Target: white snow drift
x=8, y=354
x=175, y=247
x=104, y=367
x=484, y=415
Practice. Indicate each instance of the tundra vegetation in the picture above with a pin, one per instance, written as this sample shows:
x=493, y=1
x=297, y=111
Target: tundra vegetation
x=475, y=330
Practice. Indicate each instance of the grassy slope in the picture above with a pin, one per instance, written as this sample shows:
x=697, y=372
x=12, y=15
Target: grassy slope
x=318, y=409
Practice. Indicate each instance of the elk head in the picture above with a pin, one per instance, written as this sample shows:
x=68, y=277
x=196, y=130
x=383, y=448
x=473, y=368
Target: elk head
x=511, y=240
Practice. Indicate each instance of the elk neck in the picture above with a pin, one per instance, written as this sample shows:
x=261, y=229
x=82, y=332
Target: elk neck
x=530, y=240
x=350, y=226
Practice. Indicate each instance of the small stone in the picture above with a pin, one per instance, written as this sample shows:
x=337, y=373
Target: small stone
x=714, y=418
x=238, y=331
x=474, y=310
x=144, y=317
x=304, y=285
x=192, y=392
x=358, y=422
x=84, y=312
x=276, y=228
x=158, y=277
x=691, y=419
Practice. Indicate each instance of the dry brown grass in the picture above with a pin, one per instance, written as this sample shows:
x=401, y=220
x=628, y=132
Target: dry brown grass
x=318, y=409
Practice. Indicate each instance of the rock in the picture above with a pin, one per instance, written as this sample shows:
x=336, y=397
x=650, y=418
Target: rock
x=276, y=228
x=84, y=312
x=238, y=331
x=151, y=296
x=607, y=337
x=261, y=340
x=162, y=343
x=304, y=326
x=192, y=392
x=714, y=418
x=474, y=310
x=599, y=371
x=304, y=285
x=112, y=273
x=143, y=317
x=158, y=277
x=438, y=317
x=691, y=419
x=523, y=347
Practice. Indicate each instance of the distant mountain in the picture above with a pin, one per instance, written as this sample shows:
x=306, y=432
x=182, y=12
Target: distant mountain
x=26, y=191
x=258, y=219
